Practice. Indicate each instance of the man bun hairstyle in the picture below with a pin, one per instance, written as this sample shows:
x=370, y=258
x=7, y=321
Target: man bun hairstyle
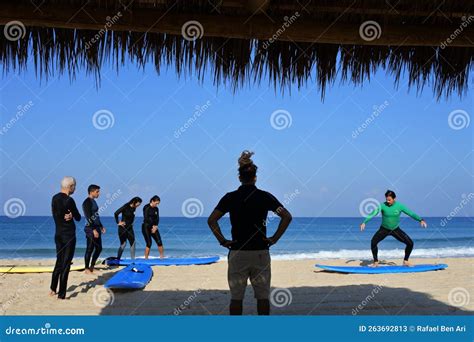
x=390, y=193
x=247, y=169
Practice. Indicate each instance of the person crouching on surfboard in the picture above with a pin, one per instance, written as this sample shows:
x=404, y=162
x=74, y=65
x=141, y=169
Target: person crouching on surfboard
x=249, y=255
x=391, y=211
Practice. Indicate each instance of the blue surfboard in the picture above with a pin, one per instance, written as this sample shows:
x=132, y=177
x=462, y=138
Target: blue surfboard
x=164, y=261
x=383, y=269
x=135, y=276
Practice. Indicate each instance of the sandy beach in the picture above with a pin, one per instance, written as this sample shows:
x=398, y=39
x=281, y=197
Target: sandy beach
x=202, y=290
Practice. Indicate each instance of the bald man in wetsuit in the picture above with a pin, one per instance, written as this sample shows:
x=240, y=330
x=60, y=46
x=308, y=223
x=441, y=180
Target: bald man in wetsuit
x=64, y=213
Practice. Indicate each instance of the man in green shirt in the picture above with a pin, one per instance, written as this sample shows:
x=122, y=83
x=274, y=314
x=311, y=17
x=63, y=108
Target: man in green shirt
x=391, y=211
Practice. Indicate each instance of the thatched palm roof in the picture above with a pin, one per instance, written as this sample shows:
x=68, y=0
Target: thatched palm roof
x=241, y=42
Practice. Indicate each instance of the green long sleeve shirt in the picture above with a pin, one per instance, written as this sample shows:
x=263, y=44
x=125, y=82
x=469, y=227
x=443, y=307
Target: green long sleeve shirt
x=391, y=214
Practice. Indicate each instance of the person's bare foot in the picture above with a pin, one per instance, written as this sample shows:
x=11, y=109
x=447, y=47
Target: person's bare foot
x=375, y=264
x=162, y=256
x=52, y=293
x=87, y=271
x=406, y=263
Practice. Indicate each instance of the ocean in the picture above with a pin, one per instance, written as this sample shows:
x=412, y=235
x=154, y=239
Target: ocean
x=306, y=238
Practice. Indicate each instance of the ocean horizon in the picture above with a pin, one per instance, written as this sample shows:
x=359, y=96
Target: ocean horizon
x=32, y=237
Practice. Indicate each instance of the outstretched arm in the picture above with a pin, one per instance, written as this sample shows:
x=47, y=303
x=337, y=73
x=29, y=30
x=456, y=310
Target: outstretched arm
x=411, y=214
x=370, y=216
x=414, y=216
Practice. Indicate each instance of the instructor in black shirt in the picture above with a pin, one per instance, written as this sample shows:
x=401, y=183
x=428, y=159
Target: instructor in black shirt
x=249, y=255
x=64, y=212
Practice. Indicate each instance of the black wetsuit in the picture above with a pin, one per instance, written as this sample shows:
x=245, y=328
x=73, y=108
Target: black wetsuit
x=94, y=245
x=398, y=234
x=151, y=217
x=65, y=240
x=126, y=232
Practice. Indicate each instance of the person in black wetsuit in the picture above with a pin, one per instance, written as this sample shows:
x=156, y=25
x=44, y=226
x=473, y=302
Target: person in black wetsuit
x=93, y=229
x=125, y=225
x=151, y=218
x=249, y=256
x=64, y=212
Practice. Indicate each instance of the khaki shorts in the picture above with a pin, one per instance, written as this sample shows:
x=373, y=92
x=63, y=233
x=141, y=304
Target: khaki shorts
x=249, y=264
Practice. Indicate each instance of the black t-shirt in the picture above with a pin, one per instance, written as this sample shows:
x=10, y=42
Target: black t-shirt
x=248, y=208
x=62, y=204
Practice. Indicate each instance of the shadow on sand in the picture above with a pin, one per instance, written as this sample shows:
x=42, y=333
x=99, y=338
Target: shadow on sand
x=367, y=299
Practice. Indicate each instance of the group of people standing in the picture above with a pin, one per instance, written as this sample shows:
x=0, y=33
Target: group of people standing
x=151, y=218
x=248, y=207
x=65, y=212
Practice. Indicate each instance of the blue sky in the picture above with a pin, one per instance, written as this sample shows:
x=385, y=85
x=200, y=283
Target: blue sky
x=316, y=164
